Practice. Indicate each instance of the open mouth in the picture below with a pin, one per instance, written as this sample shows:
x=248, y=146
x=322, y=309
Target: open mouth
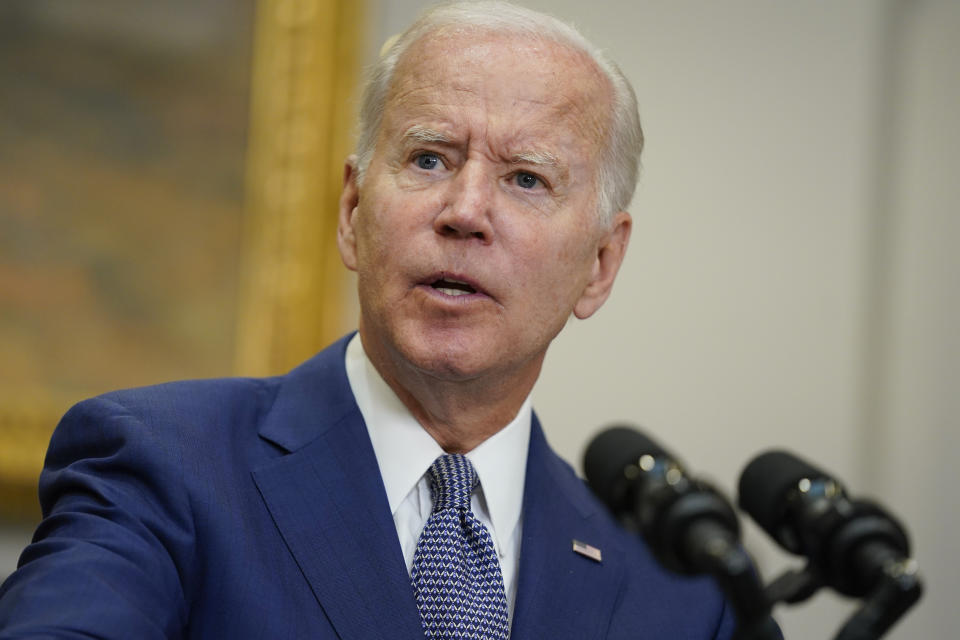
x=452, y=287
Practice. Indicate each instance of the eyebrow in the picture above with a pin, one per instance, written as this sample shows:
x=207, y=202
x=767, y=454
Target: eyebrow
x=422, y=133
x=542, y=158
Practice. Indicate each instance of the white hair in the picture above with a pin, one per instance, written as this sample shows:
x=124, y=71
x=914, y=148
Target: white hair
x=618, y=170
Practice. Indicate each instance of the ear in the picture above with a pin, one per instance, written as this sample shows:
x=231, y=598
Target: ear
x=349, y=199
x=611, y=249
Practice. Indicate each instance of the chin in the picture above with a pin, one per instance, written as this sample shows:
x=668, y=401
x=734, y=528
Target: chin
x=446, y=357
x=447, y=364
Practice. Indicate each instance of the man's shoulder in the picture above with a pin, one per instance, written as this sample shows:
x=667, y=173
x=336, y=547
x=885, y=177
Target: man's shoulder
x=208, y=409
x=216, y=400
x=182, y=399
x=178, y=406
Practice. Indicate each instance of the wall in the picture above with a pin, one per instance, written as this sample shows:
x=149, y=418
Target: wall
x=918, y=393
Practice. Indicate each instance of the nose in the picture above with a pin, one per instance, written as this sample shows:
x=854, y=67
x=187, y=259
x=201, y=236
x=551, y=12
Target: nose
x=467, y=205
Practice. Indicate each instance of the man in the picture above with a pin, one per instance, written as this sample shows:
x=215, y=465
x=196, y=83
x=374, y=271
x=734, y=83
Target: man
x=498, y=152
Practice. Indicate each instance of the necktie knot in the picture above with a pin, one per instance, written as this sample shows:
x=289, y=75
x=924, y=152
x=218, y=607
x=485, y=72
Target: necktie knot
x=453, y=481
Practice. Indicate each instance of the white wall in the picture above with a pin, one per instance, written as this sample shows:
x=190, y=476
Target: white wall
x=792, y=276
x=919, y=386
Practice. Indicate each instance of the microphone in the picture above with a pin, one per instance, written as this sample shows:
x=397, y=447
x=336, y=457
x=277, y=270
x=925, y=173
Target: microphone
x=680, y=517
x=688, y=525
x=851, y=544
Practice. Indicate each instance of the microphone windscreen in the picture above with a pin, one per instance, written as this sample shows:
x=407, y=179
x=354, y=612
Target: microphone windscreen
x=608, y=454
x=765, y=482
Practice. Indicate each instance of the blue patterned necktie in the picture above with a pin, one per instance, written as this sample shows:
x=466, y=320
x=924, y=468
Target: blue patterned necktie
x=456, y=574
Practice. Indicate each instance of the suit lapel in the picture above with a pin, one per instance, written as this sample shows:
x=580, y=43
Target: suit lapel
x=560, y=593
x=328, y=501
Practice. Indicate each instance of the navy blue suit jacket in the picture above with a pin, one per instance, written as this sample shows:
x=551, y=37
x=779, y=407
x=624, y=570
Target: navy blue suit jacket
x=254, y=508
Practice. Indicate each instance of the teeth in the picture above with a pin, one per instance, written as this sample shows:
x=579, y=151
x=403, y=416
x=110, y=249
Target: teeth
x=453, y=292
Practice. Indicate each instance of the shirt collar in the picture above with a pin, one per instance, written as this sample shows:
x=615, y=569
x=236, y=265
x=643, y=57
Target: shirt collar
x=501, y=464
x=404, y=450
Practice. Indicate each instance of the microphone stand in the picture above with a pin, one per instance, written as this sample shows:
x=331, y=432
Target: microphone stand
x=899, y=589
x=726, y=561
x=866, y=557
x=696, y=532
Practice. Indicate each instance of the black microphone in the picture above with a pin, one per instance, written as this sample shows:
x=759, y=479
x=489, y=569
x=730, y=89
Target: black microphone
x=679, y=517
x=851, y=544
x=688, y=525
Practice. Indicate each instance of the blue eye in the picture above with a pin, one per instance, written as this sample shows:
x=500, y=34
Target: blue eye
x=427, y=161
x=527, y=180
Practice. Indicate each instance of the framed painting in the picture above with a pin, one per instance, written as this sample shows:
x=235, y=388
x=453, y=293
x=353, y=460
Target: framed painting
x=168, y=183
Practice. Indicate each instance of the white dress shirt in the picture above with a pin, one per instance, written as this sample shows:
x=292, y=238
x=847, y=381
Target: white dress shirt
x=405, y=452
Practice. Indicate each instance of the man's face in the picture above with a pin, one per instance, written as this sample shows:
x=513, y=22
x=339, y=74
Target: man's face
x=474, y=234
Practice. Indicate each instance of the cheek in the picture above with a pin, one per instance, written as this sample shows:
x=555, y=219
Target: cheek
x=571, y=267
x=375, y=228
x=551, y=258
x=386, y=239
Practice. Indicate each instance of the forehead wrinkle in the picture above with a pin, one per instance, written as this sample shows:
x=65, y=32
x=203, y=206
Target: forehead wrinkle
x=572, y=111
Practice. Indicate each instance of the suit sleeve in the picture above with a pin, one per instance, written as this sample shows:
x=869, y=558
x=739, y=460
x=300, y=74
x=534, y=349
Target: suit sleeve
x=110, y=557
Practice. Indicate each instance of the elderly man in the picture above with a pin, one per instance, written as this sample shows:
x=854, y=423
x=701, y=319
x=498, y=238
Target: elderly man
x=396, y=485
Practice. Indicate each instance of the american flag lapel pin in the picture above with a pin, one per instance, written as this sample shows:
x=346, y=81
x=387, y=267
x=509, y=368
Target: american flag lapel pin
x=587, y=550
